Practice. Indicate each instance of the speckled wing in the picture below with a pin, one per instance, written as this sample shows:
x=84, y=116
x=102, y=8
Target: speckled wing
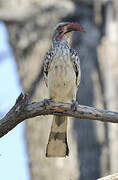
x=47, y=61
x=76, y=65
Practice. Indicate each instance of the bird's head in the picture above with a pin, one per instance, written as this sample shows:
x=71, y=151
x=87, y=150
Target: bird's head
x=63, y=29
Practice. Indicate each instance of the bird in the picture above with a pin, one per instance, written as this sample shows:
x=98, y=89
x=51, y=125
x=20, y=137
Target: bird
x=62, y=76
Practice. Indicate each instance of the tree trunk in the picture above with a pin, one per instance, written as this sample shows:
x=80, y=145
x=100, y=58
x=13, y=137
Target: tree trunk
x=108, y=56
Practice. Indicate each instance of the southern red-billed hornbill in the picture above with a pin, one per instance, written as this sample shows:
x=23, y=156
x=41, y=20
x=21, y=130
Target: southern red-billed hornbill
x=62, y=77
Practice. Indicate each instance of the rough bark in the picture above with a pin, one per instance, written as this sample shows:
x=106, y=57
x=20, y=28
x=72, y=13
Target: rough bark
x=24, y=109
x=107, y=54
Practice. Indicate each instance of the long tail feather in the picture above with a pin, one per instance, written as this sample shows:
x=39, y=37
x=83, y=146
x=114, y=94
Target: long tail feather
x=57, y=143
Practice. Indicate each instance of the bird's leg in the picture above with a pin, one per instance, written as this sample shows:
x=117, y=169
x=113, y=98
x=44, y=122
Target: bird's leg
x=47, y=102
x=74, y=105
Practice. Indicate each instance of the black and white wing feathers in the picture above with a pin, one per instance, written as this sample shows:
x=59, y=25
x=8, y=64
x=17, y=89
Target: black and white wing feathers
x=76, y=64
x=47, y=61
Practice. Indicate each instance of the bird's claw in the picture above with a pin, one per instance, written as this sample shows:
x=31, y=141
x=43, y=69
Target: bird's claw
x=47, y=102
x=74, y=105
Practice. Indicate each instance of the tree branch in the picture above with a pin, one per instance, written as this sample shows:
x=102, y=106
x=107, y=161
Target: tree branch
x=24, y=109
x=110, y=177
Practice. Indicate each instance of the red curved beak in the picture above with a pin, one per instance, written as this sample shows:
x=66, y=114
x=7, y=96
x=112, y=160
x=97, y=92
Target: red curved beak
x=74, y=27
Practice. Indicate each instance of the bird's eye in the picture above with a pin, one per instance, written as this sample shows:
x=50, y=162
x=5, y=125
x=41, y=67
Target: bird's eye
x=60, y=29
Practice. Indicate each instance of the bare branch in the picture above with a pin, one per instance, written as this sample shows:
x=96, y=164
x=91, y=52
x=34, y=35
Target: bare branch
x=110, y=177
x=24, y=109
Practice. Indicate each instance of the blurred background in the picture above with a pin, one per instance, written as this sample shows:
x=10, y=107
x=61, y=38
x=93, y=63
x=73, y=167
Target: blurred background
x=25, y=36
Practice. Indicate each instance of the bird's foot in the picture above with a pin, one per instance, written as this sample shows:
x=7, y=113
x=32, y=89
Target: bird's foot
x=47, y=102
x=74, y=105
